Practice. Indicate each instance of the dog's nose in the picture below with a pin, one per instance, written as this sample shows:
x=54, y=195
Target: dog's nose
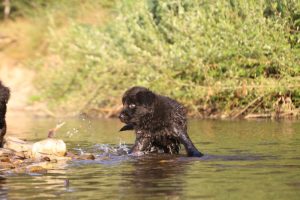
x=121, y=116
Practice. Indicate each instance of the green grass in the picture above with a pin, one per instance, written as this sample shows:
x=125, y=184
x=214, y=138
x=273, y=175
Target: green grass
x=213, y=56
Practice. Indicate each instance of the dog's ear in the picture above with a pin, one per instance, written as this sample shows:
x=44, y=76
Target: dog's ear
x=145, y=97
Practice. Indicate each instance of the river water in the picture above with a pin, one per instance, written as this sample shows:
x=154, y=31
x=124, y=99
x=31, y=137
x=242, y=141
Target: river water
x=243, y=160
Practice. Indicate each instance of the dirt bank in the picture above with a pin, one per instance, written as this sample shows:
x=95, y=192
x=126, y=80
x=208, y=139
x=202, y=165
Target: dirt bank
x=19, y=80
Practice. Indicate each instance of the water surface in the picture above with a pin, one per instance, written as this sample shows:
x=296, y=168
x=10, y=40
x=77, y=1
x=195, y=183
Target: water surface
x=243, y=160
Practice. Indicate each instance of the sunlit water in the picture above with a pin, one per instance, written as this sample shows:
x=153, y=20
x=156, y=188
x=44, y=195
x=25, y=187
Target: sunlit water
x=243, y=160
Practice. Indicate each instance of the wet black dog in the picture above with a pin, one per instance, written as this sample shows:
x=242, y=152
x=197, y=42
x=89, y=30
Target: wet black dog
x=4, y=96
x=159, y=122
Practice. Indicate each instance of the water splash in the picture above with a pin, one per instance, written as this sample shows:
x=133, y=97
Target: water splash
x=116, y=150
x=71, y=132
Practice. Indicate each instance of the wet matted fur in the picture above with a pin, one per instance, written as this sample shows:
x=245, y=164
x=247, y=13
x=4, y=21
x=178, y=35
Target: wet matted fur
x=4, y=96
x=159, y=122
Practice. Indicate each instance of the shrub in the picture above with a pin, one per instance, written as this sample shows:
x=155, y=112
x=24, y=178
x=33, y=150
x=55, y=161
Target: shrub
x=199, y=52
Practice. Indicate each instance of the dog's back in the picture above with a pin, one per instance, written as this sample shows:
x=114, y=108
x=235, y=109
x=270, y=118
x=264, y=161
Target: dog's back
x=4, y=96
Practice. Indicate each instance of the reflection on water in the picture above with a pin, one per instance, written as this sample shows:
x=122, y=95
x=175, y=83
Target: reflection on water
x=151, y=176
x=244, y=160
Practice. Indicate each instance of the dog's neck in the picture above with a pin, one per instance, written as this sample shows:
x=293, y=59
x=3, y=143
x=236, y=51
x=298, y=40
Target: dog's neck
x=154, y=121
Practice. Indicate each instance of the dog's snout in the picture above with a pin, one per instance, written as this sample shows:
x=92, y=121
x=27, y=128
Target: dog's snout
x=123, y=116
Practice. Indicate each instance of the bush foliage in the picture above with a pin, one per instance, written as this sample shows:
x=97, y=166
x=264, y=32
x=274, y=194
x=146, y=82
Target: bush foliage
x=213, y=56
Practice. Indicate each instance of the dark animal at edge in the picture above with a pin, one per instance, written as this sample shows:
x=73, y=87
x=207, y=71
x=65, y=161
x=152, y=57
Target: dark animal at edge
x=159, y=122
x=4, y=96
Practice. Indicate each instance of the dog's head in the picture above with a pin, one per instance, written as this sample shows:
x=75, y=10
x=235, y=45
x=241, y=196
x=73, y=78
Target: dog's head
x=4, y=97
x=138, y=106
x=4, y=94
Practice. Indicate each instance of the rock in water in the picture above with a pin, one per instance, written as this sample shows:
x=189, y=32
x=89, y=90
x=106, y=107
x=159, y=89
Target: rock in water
x=17, y=144
x=49, y=147
x=36, y=169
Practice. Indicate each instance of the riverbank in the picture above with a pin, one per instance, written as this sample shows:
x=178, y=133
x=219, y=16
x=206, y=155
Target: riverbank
x=221, y=60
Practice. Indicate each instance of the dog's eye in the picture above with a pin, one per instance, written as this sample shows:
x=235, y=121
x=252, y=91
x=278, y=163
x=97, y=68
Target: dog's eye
x=131, y=106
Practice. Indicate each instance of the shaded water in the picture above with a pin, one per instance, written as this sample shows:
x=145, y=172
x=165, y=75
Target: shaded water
x=244, y=160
